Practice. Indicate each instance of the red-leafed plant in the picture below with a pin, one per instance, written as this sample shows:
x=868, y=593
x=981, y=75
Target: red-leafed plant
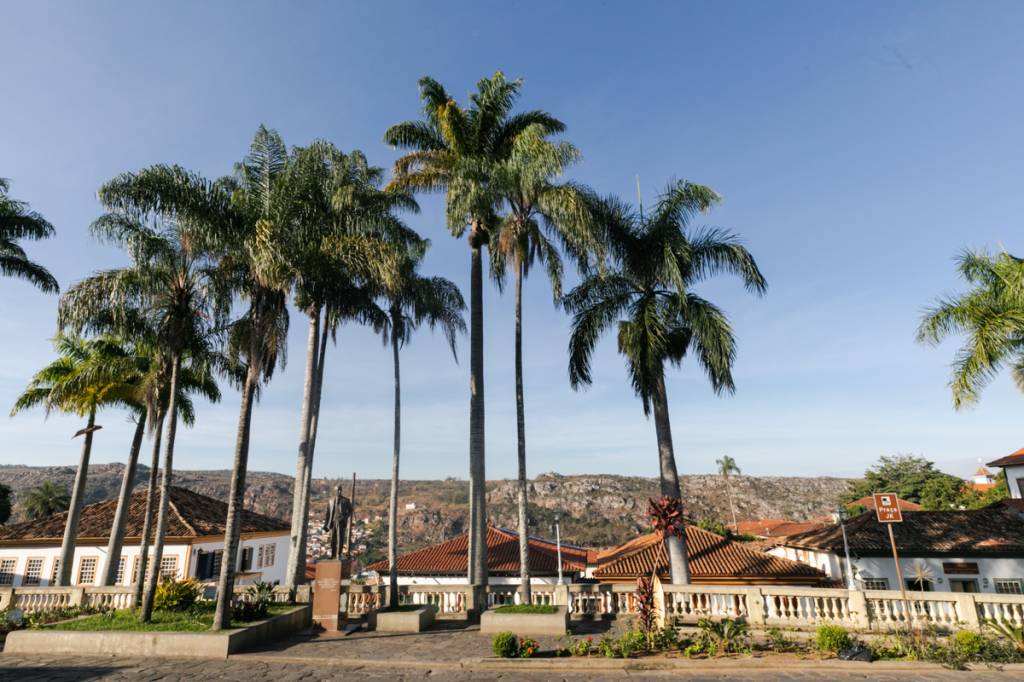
x=645, y=604
x=666, y=516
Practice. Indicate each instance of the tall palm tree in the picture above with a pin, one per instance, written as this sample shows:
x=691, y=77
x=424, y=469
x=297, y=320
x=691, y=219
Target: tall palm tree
x=990, y=314
x=727, y=466
x=61, y=386
x=44, y=500
x=454, y=149
x=411, y=302
x=170, y=287
x=543, y=216
x=18, y=221
x=648, y=296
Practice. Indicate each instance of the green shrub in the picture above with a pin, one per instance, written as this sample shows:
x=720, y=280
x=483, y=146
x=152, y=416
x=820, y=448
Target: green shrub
x=608, y=648
x=833, y=638
x=778, y=641
x=527, y=608
x=1008, y=632
x=727, y=636
x=176, y=595
x=632, y=642
x=505, y=645
x=967, y=642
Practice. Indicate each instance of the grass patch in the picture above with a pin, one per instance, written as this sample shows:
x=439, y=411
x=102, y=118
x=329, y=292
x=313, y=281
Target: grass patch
x=527, y=608
x=196, y=619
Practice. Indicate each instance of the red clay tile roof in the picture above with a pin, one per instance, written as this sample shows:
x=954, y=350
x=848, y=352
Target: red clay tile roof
x=189, y=515
x=762, y=527
x=711, y=557
x=993, y=530
x=868, y=502
x=1009, y=460
x=449, y=558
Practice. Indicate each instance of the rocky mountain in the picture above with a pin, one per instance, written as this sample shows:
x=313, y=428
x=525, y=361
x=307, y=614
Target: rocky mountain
x=595, y=510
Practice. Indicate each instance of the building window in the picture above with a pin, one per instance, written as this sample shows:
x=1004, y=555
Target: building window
x=259, y=557
x=876, y=584
x=168, y=567
x=119, y=578
x=33, y=572
x=246, y=559
x=268, y=555
x=87, y=570
x=1008, y=587
x=7, y=571
x=963, y=585
x=55, y=571
x=135, y=571
x=919, y=585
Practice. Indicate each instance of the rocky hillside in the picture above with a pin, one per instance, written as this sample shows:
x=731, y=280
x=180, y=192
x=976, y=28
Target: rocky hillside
x=596, y=510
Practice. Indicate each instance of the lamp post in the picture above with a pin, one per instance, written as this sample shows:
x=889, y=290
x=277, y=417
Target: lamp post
x=840, y=515
x=558, y=546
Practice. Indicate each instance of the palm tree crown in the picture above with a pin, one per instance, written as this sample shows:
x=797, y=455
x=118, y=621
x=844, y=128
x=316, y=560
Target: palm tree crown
x=990, y=314
x=18, y=221
x=44, y=500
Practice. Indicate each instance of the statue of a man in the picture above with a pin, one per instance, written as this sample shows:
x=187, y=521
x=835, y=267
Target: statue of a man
x=338, y=512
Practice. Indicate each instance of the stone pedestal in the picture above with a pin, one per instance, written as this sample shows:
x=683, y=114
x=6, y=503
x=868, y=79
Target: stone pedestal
x=327, y=594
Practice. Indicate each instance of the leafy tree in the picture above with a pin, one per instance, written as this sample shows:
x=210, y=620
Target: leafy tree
x=727, y=466
x=44, y=500
x=718, y=528
x=903, y=474
x=18, y=221
x=455, y=149
x=5, y=503
x=990, y=314
x=411, y=302
x=544, y=216
x=949, y=492
x=648, y=297
x=70, y=385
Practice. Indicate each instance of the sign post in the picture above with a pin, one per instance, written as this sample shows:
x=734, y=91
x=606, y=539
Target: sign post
x=888, y=512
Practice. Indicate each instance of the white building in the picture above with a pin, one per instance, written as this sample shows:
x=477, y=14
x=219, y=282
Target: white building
x=942, y=551
x=30, y=551
x=1013, y=467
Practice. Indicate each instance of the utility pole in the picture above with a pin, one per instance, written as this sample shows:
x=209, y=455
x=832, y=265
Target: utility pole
x=352, y=516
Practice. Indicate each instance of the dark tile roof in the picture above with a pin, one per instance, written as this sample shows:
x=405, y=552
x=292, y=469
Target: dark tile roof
x=449, y=558
x=993, y=530
x=711, y=557
x=1009, y=460
x=189, y=515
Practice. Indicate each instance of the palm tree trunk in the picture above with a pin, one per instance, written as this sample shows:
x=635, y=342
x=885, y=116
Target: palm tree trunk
x=314, y=423
x=149, y=592
x=393, y=502
x=477, y=476
x=296, y=560
x=147, y=519
x=67, y=547
x=232, y=528
x=123, y=501
x=524, y=540
x=732, y=507
x=675, y=546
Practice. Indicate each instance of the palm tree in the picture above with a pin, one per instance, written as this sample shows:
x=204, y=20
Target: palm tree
x=44, y=500
x=333, y=242
x=170, y=287
x=18, y=221
x=726, y=466
x=648, y=297
x=411, y=302
x=455, y=149
x=990, y=314
x=543, y=215
x=64, y=385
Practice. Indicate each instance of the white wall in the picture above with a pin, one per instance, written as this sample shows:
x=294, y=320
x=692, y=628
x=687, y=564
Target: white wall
x=989, y=570
x=267, y=573
x=1013, y=474
x=52, y=553
x=453, y=580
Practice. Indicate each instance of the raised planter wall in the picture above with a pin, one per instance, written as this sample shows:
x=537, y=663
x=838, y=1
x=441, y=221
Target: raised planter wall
x=535, y=624
x=402, y=621
x=158, y=644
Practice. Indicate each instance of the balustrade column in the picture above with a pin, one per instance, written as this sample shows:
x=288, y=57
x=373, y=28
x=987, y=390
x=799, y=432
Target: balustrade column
x=967, y=610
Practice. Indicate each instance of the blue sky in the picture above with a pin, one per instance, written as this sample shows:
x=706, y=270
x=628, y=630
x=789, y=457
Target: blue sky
x=857, y=146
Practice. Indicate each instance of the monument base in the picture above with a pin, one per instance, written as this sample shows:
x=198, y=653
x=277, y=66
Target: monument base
x=327, y=593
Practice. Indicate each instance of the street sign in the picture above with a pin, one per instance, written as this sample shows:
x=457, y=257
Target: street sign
x=887, y=508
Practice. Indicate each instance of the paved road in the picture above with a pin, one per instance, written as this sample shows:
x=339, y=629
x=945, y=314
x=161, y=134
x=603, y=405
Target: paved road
x=245, y=669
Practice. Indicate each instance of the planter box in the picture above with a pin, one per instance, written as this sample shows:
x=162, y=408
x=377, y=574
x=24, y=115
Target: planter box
x=403, y=621
x=534, y=624
x=158, y=644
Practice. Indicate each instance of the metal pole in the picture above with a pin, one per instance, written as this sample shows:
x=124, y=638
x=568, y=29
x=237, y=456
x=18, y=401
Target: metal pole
x=850, y=584
x=558, y=547
x=899, y=574
x=352, y=516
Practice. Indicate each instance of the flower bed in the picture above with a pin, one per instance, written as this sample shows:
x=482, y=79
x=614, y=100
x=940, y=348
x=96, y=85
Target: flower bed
x=197, y=618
